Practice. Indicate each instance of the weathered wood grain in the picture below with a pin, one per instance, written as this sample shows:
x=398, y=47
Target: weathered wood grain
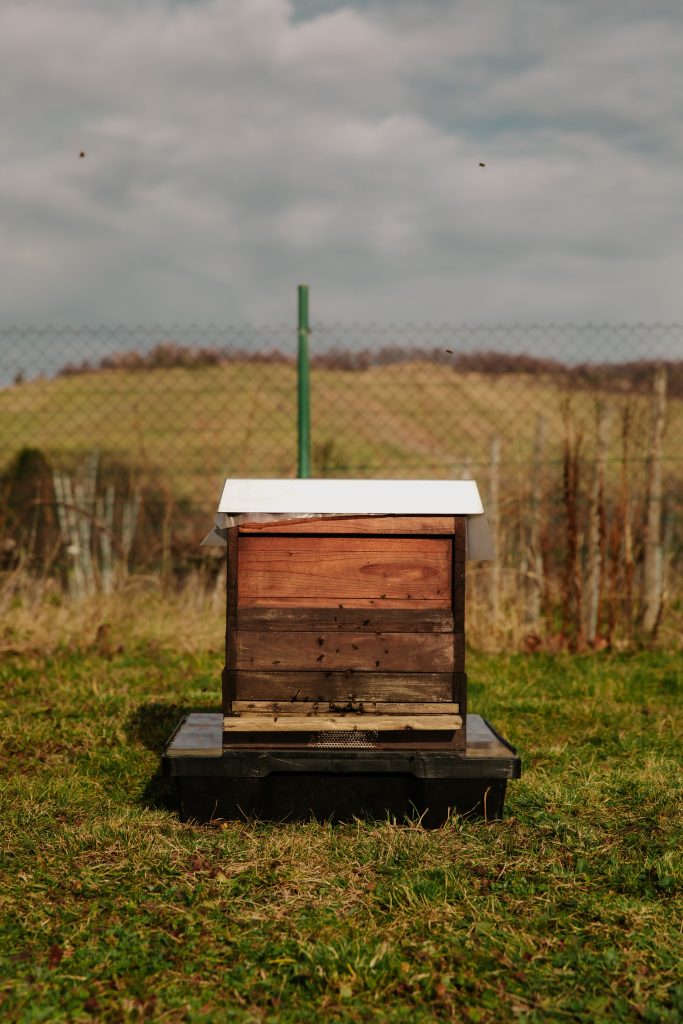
x=373, y=620
x=460, y=545
x=395, y=686
x=341, y=723
x=388, y=652
x=343, y=570
x=458, y=585
x=358, y=603
x=459, y=693
x=424, y=525
x=370, y=707
x=232, y=575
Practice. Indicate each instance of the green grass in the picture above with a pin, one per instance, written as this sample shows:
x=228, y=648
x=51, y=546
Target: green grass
x=568, y=910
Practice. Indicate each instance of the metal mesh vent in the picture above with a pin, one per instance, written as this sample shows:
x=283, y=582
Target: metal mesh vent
x=353, y=739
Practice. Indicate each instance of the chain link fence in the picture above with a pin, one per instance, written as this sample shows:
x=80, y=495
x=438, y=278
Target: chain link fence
x=115, y=442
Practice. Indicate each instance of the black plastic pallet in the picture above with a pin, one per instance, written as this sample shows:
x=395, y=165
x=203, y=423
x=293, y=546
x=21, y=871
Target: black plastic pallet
x=336, y=784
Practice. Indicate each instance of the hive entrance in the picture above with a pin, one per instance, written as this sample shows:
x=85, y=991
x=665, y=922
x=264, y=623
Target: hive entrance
x=356, y=739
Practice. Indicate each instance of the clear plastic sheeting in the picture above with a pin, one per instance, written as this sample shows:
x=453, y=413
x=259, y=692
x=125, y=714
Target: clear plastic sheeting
x=218, y=537
x=252, y=501
x=480, y=546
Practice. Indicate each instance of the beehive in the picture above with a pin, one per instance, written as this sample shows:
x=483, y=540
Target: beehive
x=345, y=611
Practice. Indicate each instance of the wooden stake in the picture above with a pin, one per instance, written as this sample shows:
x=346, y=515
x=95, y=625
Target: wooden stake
x=652, y=566
x=494, y=521
x=105, y=514
x=533, y=553
x=571, y=611
x=596, y=529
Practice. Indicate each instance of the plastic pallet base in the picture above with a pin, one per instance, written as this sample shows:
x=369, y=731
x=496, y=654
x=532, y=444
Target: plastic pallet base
x=337, y=785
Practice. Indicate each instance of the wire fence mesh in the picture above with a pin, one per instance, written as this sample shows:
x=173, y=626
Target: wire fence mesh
x=115, y=442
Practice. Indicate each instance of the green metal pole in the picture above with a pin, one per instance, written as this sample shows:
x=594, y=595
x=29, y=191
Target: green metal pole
x=304, y=387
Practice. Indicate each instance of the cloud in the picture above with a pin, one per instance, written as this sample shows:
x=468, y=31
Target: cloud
x=235, y=147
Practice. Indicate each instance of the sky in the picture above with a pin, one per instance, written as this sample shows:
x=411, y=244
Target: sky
x=235, y=148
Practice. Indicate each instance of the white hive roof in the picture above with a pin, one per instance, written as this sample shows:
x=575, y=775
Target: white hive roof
x=351, y=497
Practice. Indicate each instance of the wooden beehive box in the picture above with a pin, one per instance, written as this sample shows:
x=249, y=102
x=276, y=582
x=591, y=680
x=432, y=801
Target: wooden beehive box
x=345, y=612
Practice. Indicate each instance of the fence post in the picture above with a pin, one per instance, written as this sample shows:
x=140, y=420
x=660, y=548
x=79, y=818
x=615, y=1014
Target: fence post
x=532, y=565
x=597, y=531
x=653, y=556
x=303, y=388
x=494, y=521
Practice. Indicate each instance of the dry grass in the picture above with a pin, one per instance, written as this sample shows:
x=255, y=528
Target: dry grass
x=410, y=419
x=37, y=617
x=179, y=432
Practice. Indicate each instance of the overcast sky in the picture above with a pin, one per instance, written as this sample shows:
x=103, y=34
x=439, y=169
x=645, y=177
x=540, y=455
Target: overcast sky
x=234, y=148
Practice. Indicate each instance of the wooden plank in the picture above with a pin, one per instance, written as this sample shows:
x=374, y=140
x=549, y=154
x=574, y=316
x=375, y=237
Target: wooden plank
x=374, y=620
x=228, y=680
x=341, y=570
x=341, y=723
x=387, y=652
x=458, y=652
x=425, y=525
x=460, y=545
x=458, y=584
x=459, y=692
x=360, y=603
x=458, y=604
x=370, y=707
x=394, y=686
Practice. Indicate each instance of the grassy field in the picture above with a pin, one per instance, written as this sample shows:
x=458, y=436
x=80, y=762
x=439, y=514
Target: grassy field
x=112, y=910
x=170, y=436
x=194, y=427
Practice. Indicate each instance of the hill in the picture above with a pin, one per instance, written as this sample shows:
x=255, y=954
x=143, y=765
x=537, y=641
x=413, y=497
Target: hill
x=192, y=427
